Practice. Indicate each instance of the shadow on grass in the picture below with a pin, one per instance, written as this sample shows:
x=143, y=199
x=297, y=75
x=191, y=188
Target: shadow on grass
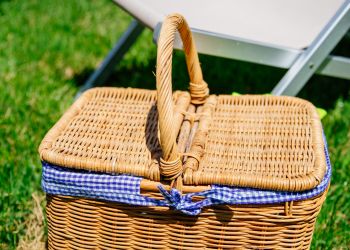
x=225, y=76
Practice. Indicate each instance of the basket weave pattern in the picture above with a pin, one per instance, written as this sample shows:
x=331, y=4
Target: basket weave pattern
x=267, y=142
x=249, y=141
x=95, y=133
x=187, y=140
x=89, y=224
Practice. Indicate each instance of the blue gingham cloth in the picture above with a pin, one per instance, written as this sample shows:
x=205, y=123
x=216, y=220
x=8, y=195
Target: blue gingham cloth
x=126, y=189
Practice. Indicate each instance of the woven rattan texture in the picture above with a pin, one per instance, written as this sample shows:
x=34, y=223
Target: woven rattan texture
x=110, y=130
x=263, y=142
x=88, y=224
x=249, y=141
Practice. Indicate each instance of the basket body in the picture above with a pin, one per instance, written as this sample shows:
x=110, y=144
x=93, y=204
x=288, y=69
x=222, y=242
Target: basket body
x=80, y=223
x=192, y=142
x=89, y=224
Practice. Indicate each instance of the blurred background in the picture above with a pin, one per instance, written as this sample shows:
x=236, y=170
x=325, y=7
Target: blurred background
x=49, y=48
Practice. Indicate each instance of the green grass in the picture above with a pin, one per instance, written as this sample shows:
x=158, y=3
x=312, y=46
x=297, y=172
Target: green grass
x=48, y=48
x=333, y=225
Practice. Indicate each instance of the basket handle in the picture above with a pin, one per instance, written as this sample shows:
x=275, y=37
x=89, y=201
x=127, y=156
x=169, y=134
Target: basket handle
x=170, y=163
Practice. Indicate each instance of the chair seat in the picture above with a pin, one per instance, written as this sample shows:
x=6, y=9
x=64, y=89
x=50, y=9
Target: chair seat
x=293, y=24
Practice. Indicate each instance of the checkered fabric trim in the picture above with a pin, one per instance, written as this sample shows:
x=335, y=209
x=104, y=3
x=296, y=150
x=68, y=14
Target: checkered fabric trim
x=119, y=188
x=126, y=189
x=232, y=195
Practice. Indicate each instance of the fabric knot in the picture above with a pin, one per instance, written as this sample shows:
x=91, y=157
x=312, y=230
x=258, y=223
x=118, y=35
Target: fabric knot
x=199, y=92
x=182, y=203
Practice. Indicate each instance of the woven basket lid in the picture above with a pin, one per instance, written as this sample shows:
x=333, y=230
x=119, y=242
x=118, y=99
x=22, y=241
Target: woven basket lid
x=192, y=138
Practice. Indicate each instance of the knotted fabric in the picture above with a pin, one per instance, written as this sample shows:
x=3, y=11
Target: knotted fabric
x=126, y=189
x=180, y=202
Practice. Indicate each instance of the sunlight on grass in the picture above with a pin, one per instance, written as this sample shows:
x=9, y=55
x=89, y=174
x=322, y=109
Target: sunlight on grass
x=39, y=40
x=48, y=48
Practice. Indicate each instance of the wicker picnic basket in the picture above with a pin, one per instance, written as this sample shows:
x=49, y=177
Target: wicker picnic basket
x=188, y=141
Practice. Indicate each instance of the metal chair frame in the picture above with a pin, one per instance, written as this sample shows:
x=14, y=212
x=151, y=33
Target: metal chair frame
x=301, y=64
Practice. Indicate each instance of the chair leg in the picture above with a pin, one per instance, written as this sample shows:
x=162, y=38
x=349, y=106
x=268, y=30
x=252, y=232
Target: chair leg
x=100, y=75
x=309, y=61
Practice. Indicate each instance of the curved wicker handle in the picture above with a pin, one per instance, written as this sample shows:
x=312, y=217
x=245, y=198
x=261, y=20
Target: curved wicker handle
x=170, y=165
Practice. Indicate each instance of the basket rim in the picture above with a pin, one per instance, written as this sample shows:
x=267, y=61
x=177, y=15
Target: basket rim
x=309, y=181
x=254, y=180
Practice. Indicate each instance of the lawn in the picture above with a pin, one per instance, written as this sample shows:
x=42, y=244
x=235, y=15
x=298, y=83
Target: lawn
x=48, y=48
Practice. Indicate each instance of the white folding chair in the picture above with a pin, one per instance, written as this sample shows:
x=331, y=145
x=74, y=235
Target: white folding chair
x=297, y=35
